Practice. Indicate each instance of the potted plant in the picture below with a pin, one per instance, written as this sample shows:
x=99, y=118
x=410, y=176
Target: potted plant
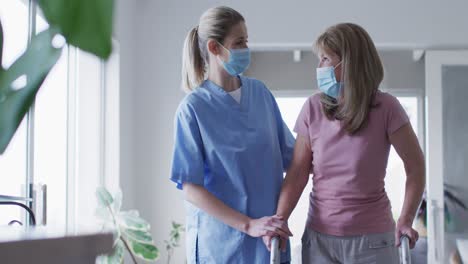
x=174, y=240
x=131, y=232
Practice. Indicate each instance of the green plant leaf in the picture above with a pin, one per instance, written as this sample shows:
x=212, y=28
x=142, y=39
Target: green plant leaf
x=116, y=257
x=118, y=253
x=144, y=251
x=132, y=220
x=104, y=197
x=20, y=83
x=103, y=214
x=1, y=46
x=102, y=259
x=86, y=24
x=176, y=225
x=138, y=236
x=117, y=201
x=131, y=228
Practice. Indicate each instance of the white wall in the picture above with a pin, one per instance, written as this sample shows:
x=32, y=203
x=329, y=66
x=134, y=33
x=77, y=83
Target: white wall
x=125, y=35
x=152, y=33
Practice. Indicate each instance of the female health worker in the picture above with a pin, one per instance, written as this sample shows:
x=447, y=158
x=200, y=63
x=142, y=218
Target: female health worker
x=231, y=147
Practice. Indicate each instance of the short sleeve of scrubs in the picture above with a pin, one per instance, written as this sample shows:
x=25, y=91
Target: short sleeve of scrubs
x=188, y=158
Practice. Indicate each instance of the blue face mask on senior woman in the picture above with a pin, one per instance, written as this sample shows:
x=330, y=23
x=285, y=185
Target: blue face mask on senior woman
x=327, y=83
x=239, y=60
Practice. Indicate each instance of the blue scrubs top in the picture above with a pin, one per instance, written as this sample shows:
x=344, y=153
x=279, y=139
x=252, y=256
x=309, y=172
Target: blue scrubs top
x=238, y=152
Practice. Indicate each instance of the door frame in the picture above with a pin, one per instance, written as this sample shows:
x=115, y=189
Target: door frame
x=434, y=61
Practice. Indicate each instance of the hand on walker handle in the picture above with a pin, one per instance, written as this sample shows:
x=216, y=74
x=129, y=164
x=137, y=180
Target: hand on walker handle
x=268, y=226
x=405, y=229
x=283, y=240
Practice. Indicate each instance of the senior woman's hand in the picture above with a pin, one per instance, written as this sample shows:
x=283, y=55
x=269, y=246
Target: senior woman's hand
x=404, y=228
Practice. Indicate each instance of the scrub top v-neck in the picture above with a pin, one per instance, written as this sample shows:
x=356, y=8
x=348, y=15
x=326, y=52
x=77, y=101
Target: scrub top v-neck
x=236, y=94
x=238, y=152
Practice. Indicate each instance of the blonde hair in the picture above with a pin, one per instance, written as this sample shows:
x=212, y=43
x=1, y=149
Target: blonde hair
x=362, y=73
x=214, y=24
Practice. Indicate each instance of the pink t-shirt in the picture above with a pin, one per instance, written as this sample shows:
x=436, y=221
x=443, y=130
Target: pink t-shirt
x=348, y=195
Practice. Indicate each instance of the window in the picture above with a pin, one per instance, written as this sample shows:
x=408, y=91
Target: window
x=14, y=18
x=74, y=138
x=88, y=158
x=396, y=176
x=50, y=136
x=290, y=107
x=394, y=181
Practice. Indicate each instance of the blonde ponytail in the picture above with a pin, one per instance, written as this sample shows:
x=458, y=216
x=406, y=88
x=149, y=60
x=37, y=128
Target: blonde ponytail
x=193, y=65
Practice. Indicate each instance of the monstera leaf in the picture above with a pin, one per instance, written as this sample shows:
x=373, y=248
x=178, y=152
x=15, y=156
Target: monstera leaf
x=20, y=83
x=86, y=24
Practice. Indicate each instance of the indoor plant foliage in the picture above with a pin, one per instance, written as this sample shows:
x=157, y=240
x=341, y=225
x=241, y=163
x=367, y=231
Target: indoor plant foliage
x=85, y=24
x=174, y=240
x=131, y=232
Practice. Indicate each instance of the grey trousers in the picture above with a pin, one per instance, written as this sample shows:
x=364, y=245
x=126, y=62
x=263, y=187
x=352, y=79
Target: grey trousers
x=326, y=249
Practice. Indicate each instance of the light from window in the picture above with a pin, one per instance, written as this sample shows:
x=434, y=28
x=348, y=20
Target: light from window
x=14, y=18
x=396, y=176
x=50, y=137
x=290, y=107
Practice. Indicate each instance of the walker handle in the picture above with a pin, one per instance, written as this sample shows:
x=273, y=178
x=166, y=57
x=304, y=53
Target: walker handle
x=275, y=256
x=405, y=250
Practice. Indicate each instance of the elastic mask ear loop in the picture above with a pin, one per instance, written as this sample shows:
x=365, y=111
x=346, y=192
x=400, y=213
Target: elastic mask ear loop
x=342, y=75
x=229, y=52
x=337, y=65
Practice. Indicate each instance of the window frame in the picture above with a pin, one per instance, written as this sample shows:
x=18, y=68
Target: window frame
x=108, y=114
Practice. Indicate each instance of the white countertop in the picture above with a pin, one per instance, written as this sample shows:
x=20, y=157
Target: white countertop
x=46, y=245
